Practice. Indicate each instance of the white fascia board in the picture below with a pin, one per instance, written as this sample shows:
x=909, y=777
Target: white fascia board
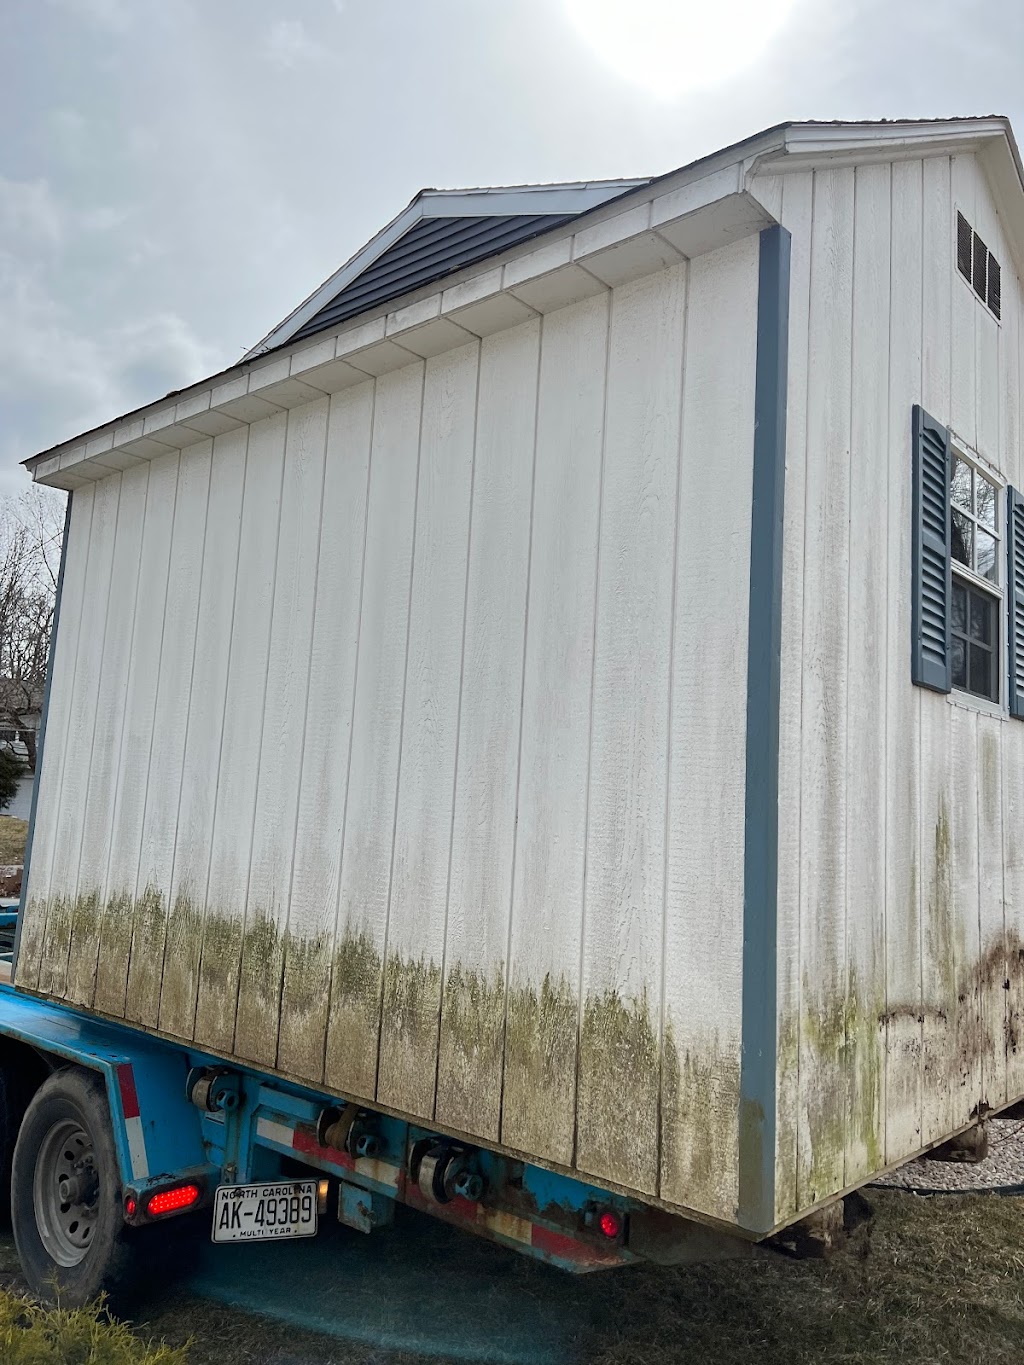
x=810, y=144
x=478, y=299
x=554, y=200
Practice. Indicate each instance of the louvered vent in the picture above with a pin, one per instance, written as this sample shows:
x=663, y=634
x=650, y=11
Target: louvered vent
x=995, y=295
x=978, y=266
x=963, y=246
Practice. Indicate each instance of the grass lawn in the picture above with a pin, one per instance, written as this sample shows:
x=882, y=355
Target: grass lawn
x=13, y=834
x=929, y=1280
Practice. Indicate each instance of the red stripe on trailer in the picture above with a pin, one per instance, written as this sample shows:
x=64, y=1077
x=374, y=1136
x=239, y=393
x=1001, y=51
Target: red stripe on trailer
x=562, y=1247
x=129, y=1095
x=307, y=1144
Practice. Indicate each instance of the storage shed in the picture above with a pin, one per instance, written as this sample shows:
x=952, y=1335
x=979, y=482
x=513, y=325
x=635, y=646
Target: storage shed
x=564, y=686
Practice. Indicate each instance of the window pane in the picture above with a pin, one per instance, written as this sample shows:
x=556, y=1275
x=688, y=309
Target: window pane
x=987, y=566
x=986, y=495
x=981, y=619
x=963, y=539
x=960, y=485
x=959, y=607
x=980, y=679
x=959, y=662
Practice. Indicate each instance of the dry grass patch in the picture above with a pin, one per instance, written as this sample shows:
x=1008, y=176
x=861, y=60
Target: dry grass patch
x=31, y=1335
x=13, y=834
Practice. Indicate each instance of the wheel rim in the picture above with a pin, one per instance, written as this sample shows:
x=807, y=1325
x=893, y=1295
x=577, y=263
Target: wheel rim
x=66, y=1192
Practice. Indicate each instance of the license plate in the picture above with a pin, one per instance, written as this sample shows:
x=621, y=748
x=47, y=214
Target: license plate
x=252, y=1213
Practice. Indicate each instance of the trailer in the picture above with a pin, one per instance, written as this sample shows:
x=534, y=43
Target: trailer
x=537, y=739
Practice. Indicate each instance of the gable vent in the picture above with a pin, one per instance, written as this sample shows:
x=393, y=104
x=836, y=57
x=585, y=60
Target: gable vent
x=978, y=266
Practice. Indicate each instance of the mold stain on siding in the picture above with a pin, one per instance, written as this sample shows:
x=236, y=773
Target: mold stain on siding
x=353, y=1029
x=472, y=1051
x=259, y=991
x=618, y=1097
x=540, y=1069
x=305, y=994
x=699, y=1154
x=181, y=967
x=408, y=1034
x=531, y=1034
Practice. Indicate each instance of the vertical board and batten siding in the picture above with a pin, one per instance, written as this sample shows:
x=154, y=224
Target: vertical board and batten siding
x=901, y=898
x=411, y=708
x=483, y=826
x=702, y=955
x=319, y=835
x=622, y=987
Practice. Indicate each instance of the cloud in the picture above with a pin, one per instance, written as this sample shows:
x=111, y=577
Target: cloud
x=289, y=45
x=114, y=15
x=30, y=213
x=48, y=365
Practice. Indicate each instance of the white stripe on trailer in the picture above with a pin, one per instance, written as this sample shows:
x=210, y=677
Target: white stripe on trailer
x=274, y=1132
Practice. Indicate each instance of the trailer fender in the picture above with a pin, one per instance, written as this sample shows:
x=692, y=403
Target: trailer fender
x=157, y=1132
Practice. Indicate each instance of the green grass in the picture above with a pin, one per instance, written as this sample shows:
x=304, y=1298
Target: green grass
x=30, y=1335
x=13, y=834
x=930, y=1280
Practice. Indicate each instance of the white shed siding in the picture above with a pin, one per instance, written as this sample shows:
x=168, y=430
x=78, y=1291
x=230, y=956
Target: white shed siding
x=419, y=716
x=893, y=1021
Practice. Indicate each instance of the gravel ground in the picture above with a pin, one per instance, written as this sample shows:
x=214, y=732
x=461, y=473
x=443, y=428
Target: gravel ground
x=1002, y=1169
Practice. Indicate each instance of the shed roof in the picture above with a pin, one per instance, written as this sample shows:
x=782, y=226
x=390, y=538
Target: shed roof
x=437, y=233
x=443, y=234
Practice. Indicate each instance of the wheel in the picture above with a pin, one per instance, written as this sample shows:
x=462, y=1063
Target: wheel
x=66, y=1193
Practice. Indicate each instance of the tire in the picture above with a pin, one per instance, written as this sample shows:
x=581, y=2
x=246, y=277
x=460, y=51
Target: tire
x=66, y=1193
x=15, y=1093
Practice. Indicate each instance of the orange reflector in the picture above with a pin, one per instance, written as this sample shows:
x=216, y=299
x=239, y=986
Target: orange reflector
x=170, y=1201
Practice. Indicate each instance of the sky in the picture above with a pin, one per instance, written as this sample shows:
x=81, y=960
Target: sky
x=176, y=175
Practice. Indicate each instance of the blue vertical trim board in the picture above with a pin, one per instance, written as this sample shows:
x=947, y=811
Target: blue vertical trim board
x=41, y=737
x=761, y=815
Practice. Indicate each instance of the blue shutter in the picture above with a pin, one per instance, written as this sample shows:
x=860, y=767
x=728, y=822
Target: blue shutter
x=932, y=571
x=1015, y=599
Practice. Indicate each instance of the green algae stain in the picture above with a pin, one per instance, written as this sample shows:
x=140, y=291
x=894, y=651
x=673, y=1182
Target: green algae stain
x=218, y=981
x=702, y=1159
x=147, y=960
x=472, y=1051
x=85, y=930
x=305, y=996
x=114, y=952
x=259, y=993
x=181, y=967
x=940, y=927
x=540, y=1069
x=408, y=1034
x=353, y=1030
x=617, y=1122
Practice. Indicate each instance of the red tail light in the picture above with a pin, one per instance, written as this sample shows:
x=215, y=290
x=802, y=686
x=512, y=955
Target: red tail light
x=610, y=1225
x=173, y=1200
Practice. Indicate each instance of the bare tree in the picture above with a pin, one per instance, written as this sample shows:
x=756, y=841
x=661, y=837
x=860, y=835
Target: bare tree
x=31, y=528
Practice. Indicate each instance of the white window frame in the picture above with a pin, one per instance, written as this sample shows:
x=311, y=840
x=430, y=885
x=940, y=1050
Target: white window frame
x=960, y=696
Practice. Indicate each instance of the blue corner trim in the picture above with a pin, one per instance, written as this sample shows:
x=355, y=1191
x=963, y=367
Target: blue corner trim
x=41, y=737
x=761, y=814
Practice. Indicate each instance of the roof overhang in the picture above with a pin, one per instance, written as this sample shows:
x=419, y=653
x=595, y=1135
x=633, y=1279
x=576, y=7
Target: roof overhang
x=631, y=228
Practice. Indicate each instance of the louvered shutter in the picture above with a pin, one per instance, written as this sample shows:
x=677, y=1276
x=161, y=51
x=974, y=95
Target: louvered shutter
x=932, y=568
x=1015, y=599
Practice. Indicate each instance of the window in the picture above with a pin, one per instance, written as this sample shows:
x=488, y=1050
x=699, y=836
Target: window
x=974, y=545
x=978, y=266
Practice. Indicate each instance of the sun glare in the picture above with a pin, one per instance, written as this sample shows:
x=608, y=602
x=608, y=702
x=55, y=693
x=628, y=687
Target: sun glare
x=672, y=47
